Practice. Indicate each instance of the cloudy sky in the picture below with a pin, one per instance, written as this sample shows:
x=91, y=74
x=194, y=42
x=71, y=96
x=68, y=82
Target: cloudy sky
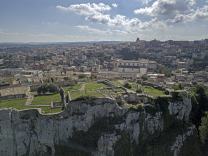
x=109, y=20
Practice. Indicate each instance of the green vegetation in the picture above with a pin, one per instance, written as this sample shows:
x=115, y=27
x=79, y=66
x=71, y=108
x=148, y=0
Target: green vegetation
x=128, y=55
x=75, y=95
x=200, y=64
x=100, y=54
x=163, y=70
x=153, y=91
x=20, y=105
x=93, y=77
x=91, y=86
x=204, y=128
x=127, y=85
x=73, y=87
x=144, y=77
x=179, y=87
x=52, y=79
x=81, y=76
x=48, y=87
x=90, y=90
x=46, y=99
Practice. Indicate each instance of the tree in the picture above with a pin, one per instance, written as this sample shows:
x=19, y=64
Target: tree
x=48, y=87
x=144, y=77
x=163, y=70
x=179, y=87
x=204, y=128
x=67, y=79
x=127, y=85
x=82, y=76
x=53, y=88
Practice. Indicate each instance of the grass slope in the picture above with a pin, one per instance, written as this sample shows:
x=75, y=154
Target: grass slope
x=20, y=105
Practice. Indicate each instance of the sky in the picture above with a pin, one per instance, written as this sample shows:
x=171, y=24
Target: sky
x=98, y=20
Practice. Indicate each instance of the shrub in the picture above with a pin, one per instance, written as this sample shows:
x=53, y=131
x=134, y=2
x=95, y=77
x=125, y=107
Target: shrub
x=139, y=90
x=71, y=84
x=51, y=87
x=127, y=85
x=67, y=79
x=204, y=129
x=82, y=76
x=144, y=77
x=179, y=87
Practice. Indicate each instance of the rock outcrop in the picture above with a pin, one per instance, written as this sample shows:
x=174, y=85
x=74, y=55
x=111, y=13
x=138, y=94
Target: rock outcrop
x=28, y=132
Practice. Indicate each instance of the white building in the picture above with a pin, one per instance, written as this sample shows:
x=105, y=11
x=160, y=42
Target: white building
x=140, y=66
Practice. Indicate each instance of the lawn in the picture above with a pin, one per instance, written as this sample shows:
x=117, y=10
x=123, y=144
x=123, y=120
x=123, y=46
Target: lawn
x=20, y=105
x=75, y=95
x=78, y=86
x=90, y=89
x=46, y=99
x=153, y=91
x=118, y=83
x=91, y=86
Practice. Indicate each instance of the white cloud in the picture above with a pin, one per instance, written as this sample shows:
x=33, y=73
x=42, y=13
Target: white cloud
x=91, y=30
x=166, y=7
x=95, y=14
x=86, y=9
x=3, y=29
x=43, y=35
x=4, y=33
x=200, y=13
x=115, y=5
x=146, y=1
x=49, y=23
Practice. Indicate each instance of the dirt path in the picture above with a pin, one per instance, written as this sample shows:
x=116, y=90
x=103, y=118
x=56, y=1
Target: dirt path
x=82, y=88
x=29, y=100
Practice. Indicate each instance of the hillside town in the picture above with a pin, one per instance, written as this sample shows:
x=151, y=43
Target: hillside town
x=89, y=92
x=165, y=63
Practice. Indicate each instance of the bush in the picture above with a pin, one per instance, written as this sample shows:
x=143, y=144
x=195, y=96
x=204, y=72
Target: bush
x=144, y=77
x=139, y=81
x=204, y=129
x=85, y=97
x=48, y=87
x=127, y=85
x=179, y=87
x=139, y=90
x=71, y=84
x=93, y=77
x=67, y=79
x=81, y=76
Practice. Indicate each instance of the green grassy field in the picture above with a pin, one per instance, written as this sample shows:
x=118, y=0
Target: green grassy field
x=78, y=86
x=153, y=91
x=91, y=86
x=46, y=99
x=20, y=105
x=90, y=89
x=77, y=94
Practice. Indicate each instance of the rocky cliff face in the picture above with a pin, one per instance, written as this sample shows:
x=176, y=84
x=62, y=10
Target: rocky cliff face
x=28, y=132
